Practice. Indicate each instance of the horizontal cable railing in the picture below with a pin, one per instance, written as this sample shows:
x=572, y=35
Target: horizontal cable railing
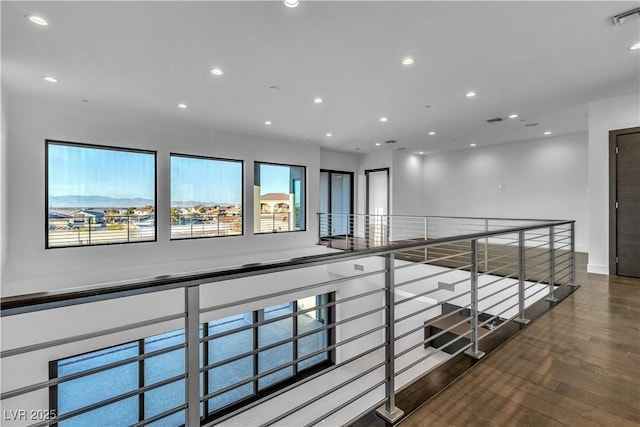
x=99, y=229
x=319, y=339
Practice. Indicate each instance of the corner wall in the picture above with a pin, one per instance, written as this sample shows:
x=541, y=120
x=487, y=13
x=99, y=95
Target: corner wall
x=604, y=115
x=29, y=267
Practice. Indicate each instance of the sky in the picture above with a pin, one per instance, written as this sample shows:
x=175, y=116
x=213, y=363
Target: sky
x=206, y=180
x=88, y=171
x=76, y=170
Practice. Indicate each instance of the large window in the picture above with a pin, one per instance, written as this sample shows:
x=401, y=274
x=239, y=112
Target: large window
x=100, y=387
x=252, y=354
x=243, y=357
x=99, y=195
x=279, y=198
x=206, y=197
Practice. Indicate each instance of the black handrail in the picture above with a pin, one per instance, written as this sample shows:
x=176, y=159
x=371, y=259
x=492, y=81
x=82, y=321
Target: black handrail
x=26, y=303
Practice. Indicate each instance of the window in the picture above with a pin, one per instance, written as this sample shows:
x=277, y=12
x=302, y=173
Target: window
x=252, y=354
x=99, y=195
x=243, y=357
x=279, y=198
x=206, y=197
x=118, y=381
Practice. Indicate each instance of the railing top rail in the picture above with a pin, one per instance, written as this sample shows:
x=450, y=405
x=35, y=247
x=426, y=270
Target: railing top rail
x=449, y=217
x=19, y=304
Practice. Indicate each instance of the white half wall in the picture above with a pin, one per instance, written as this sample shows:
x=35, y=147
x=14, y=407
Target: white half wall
x=604, y=116
x=539, y=179
x=29, y=267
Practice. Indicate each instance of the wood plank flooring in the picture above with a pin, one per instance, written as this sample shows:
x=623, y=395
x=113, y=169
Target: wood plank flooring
x=576, y=365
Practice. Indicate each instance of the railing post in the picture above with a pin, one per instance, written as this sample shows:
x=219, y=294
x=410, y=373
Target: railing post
x=192, y=355
x=90, y=230
x=521, y=271
x=486, y=246
x=573, y=256
x=388, y=411
x=128, y=228
x=346, y=231
x=552, y=266
x=474, y=352
x=426, y=238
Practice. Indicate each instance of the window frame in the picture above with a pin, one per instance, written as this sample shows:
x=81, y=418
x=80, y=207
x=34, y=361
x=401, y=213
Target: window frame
x=242, y=195
x=49, y=142
x=257, y=204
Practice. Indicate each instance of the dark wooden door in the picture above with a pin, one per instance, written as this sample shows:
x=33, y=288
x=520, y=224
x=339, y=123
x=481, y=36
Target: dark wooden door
x=627, y=198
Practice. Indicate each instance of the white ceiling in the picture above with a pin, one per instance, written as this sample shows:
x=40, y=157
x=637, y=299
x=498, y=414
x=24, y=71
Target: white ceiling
x=542, y=60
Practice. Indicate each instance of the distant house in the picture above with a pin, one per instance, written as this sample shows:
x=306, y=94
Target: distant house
x=275, y=203
x=59, y=219
x=86, y=217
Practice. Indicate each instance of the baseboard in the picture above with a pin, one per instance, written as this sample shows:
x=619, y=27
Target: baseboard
x=598, y=269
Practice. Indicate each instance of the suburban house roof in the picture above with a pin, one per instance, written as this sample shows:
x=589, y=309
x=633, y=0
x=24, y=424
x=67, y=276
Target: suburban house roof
x=274, y=196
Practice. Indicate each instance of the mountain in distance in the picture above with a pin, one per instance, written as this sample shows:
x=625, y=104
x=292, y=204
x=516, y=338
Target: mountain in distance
x=192, y=203
x=73, y=201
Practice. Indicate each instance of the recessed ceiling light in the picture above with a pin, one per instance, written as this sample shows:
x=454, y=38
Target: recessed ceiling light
x=420, y=152
x=407, y=61
x=432, y=133
x=216, y=71
x=268, y=122
x=472, y=145
x=291, y=3
x=635, y=46
x=50, y=79
x=38, y=20
x=471, y=94
x=548, y=132
x=378, y=144
x=383, y=119
x=318, y=100
x=513, y=116
x=329, y=134
x=182, y=105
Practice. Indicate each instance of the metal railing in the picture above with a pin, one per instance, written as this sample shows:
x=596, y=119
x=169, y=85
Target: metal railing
x=400, y=311
x=191, y=226
x=83, y=230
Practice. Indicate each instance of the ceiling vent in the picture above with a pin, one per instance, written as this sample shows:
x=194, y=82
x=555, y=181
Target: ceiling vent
x=529, y=125
x=391, y=141
x=494, y=120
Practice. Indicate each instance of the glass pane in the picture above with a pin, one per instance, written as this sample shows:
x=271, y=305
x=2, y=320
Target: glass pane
x=121, y=413
x=176, y=419
x=273, y=358
x=164, y=398
x=166, y=365
x=340, y=202
x=227, y=375
x=93, y=388
x=272, y=333
x=279, y=198
x=98, y=195
x=206, y=197
x=231, y=373
x=310, y=321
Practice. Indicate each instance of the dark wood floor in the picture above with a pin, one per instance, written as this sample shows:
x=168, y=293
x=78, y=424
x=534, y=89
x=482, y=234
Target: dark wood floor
x=576, y=365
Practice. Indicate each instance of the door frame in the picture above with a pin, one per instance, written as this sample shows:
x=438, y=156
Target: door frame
x=366, y=195
x=351, y=196
x=613, y=185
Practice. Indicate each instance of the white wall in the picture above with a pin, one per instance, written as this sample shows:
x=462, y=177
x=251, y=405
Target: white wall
x=339, y=161
x=29, y=267
x=379, y=160
x=3, y=179
x=544, y=178
x=604, y=116
x=407, y=188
